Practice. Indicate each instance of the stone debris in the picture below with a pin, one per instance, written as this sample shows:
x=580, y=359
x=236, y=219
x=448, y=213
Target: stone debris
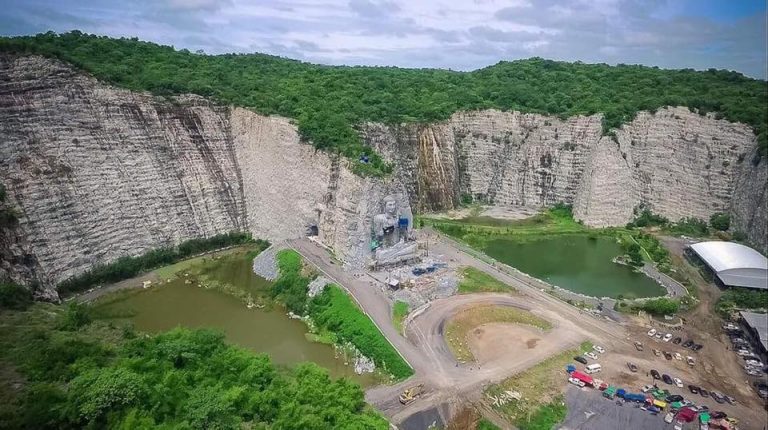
x=317, y=286
x=265, y=264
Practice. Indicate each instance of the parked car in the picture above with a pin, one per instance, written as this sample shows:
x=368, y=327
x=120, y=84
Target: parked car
x=656, y=352
x=576, y=382
x=591, y=355
x=754, y=363
x=655, y=374
x=580, y=359
x=599, y=349
x=688, y=343
x=744, y=352
x=690, y=360
x=718, y=397
x=730, y=399
x=730, y=326
x=753, y=372
x=718, y=415
x=632, y=367
x=658, y=336
x=652, y=332
x=678, y=356
x=704, y=392
x=693, y=389
x=678, y=382
x=667, y=379
x=667, y=337
x=667, y=355
x=697, y=347
x=646, y=388
x=639, y=346
x=674, y=398
x=677, y=340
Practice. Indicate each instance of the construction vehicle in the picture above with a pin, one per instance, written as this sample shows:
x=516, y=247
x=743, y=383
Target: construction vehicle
x=411, y=394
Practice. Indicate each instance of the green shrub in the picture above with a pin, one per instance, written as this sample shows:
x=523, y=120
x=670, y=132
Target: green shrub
x=739, y=236
x=645, y=218
x=74, y=317
x=742, y=298
x=291, y=287
x=720, y=221
x=128, y=267
x=14, y=296
x=690, y=226
x=660, y=306
x=334, y=311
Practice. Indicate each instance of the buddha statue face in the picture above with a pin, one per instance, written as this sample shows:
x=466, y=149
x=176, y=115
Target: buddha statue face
x=390, y=206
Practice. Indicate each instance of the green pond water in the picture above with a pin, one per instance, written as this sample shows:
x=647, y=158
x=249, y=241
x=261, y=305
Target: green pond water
x=178, y=303
x=576, y=263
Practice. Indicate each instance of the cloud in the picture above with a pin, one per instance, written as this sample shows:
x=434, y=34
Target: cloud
x=457, y=34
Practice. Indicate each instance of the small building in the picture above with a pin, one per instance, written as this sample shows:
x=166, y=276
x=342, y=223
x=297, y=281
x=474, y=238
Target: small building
x=757, y=326
x=733, y=264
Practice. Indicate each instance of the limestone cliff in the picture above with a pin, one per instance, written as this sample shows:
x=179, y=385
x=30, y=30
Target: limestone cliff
x=96, y=172
x=676, y=162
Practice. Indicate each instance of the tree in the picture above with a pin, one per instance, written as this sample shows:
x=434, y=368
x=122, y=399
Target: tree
x=634, y=253
x=720, y=221
x=661, y=306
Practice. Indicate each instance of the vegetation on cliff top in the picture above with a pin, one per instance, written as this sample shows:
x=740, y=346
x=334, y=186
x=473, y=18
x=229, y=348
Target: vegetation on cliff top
x=327, y=101
x=95, y=375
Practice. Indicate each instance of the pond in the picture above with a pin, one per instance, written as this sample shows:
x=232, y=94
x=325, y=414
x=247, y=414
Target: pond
x=577, y=263
x=182, y=302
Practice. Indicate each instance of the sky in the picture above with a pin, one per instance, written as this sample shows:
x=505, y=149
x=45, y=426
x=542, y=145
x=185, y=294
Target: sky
x=454, y=34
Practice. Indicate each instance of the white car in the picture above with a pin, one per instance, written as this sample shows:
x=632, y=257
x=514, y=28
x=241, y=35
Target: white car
x=599, y=349
x=658, y=336
x=652, y=332
x=647, y=388
x=754, y=363
x=669, y=417
x=591, y=355
x=667, y=337
x=743, y=352
x=678, y=382
x=576, y=382
x=690, y=360
x=678, y=356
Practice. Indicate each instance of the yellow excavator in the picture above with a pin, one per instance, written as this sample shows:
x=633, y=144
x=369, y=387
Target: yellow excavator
x=411, y=394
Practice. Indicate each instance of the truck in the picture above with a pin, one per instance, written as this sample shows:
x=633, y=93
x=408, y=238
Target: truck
x=411, y=394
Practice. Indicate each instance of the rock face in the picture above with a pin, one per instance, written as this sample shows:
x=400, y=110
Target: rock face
x=96, y=172
x=675, y=162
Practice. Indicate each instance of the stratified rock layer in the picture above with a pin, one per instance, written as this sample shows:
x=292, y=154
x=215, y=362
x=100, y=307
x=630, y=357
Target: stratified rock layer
x=98, y=172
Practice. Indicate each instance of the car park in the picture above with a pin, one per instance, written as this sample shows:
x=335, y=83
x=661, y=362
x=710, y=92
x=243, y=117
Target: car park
x=599, y=349
x=591, y=355
x=678, y=382
x=667, y=337
x=704, y=392
x=667, y=379
x=632, y=367
x=677, y=340
x=674, y=398
x=652, y=332
x=580, y=359
x=655, y=374
x=639, y=346
x=667, y=355
x=697, y=347
x=690, y=360
x=693, y=389
x=678, y=356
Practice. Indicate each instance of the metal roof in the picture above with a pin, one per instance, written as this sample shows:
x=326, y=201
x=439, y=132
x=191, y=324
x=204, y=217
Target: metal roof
x=759, y=322
x=735, y=264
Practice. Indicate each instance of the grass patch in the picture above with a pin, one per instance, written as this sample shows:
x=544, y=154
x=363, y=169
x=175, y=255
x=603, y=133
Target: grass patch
x=467, y=319
x=476, y=281
x=335, y=312
x=399, y=312
x=484, y=424
x=540, y=406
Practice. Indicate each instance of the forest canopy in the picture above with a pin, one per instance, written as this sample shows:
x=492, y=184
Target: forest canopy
x=328, y=101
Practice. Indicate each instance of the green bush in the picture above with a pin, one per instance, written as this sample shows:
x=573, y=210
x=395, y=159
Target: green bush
x=75, y=316
x=645, y=218
x=327, y=101
x=291, y=287
x=720, y=221
x=128, y=267
x=334, y=311
x=742, y=298
x=14, y=296
x=660, y=306
x=690, y=226
x=178, y=379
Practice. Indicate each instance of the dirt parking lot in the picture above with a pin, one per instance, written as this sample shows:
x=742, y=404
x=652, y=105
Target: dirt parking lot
x=501, y=341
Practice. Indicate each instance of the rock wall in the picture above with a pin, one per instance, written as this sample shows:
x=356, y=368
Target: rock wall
x=675, y=162
x=749, y=206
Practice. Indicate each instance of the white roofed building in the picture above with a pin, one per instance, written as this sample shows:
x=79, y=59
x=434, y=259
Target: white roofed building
x=734, y=264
